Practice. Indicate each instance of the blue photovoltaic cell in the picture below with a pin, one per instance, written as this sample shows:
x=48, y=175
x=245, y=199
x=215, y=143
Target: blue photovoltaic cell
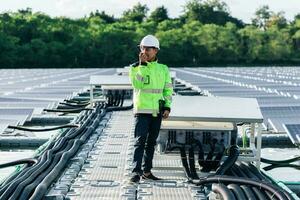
x=293, y=131
x=277, y=89
x=25, y=90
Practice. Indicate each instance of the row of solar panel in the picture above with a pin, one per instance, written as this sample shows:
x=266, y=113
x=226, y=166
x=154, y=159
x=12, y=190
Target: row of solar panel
x=276, y=89
x=26, y=92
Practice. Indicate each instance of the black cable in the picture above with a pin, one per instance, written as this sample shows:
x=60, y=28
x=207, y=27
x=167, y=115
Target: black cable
x=270, y=167
x=109, y=98
x=231, y=172
x=41, y=189
x=246, y=170
x=75, y=105
x=275, y=162
x=238, y=192
x=207, y=165
x=24, y=171
x=256, y=172
x=217, y=160
x=119, y=98
x=67, y=110
x=76, y=101
x=248, y=192
x=193, y=171
x=55, y=170
x=281, y=163
x=242, y=169
x=276, y=191
x=26, y=193
x=212, y=149
x=43, y=129
x=65, y=107
x=229, y=162
x=116, y=98
x=200, y=154
x=57, y=146
x=239, y=171
x=26, y=176
x=258, y=193
x=184, y=161
x=19, y=162
x=122, y=98
x=25, y=188
x=116, y=108
x=223, y=191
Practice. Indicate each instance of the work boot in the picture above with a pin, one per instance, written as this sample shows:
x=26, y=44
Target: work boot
x=150, y=177
x=135, y=178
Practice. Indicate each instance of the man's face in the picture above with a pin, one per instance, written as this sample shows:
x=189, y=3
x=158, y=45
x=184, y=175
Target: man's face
x=150, y=52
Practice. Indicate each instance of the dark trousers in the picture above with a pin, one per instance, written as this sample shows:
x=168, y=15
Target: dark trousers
x=146, y=132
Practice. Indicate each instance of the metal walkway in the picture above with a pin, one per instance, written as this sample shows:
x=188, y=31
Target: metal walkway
x=106, y=172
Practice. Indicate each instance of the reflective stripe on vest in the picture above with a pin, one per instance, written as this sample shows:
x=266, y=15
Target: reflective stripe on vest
x=168, y=98
x=139, y=77
x=151, y=91
x=146, y=111
x=168, y=85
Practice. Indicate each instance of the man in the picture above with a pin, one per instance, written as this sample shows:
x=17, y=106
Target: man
x=152, y=101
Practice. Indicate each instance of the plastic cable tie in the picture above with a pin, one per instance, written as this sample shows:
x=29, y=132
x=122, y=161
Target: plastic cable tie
x=260, y=186
x=273, y=195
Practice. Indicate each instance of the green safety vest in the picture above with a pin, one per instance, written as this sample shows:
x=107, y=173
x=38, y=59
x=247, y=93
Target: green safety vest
x=151, y=82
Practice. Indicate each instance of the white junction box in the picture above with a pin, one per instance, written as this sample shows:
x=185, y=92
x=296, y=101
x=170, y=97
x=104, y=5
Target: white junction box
x=110, y=84
x=183, y=132
x=212, y=123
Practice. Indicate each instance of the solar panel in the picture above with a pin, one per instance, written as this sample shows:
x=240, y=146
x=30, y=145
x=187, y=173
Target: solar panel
x=4, y=123
x=24, y=92
x=16, y=111
x=276, y=89
x=293, y=130
x=276, y=123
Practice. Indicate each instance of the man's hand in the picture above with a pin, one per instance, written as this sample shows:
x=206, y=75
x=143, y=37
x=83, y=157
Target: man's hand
x=142, y=58
x=166, y=114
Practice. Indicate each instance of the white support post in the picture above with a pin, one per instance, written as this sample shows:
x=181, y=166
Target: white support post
x=91, y=96
x=252, y=136
x=258, y=145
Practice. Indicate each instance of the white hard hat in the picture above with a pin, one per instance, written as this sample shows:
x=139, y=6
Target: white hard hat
x=150, y=41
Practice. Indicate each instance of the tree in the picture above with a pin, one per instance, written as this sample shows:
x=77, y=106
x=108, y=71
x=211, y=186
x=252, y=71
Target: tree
x=205, y=34
x=296, y=42
x=176, y=49
x=38, y=49
x=277, y=19
x=103, y=16
x=8, y=49
x=169, y=24
x=209, y=12
x=159, y=14
x=137, y=13
x=262, y=15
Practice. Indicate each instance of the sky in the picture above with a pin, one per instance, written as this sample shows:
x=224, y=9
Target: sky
x=242, y=9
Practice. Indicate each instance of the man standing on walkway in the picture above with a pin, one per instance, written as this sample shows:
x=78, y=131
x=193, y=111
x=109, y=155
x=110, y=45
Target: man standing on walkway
x=152, y=102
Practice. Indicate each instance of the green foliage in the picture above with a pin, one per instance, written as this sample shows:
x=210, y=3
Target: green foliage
x=209, y=12
x=264, y=18
x=137, y=13
x=159, y=14
x=103, y=16
x=205, y=34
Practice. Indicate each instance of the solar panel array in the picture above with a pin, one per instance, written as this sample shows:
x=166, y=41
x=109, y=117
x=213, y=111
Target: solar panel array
x=277, y=89
x=24, y=92
x=293, y=131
